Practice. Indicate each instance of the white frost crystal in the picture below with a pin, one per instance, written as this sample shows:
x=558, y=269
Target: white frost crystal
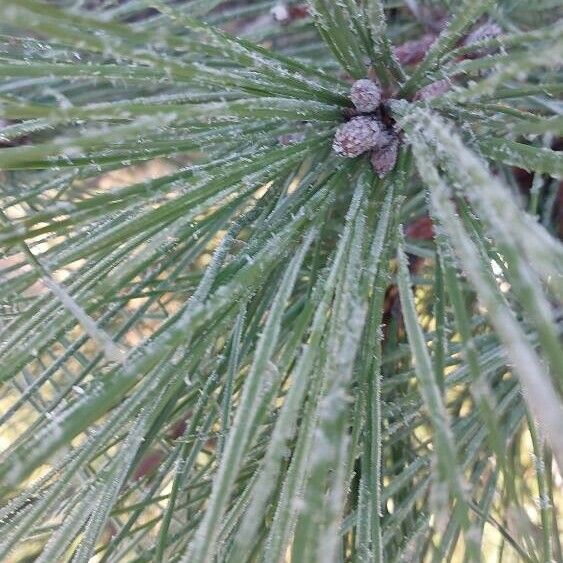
x=357, y=136
x=280, y=13
x=365, y=95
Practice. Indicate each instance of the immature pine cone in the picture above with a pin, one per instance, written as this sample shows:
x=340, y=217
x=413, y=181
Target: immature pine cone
x=357, y=136
x=432, y=90
x=414, y=51
x=365, y=95
x=488, y=30
x=383, y=159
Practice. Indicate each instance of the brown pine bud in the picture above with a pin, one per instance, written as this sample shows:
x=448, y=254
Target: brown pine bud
x=488, y=30
x=365, y=95
x=383, y=159
x=413, y=52
x=298, y=12
x=432, y=90
x=357, y=136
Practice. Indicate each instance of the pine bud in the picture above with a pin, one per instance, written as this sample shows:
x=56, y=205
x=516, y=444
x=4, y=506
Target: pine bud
x=291, y=138
x=365, y=95
x=383, y=159
x=357, y=136
x=414, y=51
x=432, y=90
x=486, y=31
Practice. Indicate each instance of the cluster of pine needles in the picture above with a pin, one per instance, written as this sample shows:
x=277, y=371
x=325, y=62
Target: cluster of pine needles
x=223, y=341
